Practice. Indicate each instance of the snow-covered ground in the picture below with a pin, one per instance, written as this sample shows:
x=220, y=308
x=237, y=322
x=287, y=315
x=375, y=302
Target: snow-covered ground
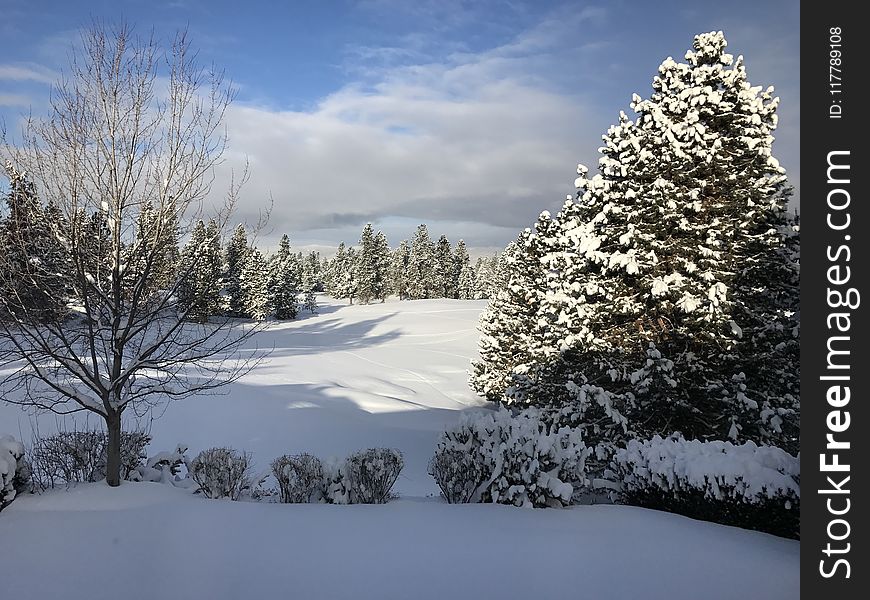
x=390, y=374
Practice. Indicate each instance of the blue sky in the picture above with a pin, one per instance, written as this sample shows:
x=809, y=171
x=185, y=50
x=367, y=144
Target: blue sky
x=470, y=116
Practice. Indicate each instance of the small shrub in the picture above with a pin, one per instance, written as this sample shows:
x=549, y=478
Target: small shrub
x=80, y=456
x=517, y=459
x=372, y=473
x=300, y=478
x=750, y=486
x=165, y=467
x=14, y=470
x=222, y=473
x=458, y=474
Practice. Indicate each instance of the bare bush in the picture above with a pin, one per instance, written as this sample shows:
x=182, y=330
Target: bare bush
x=300, y=477
x=222, y=473
x=458, y=474
x=372, y=474
x=82, y=456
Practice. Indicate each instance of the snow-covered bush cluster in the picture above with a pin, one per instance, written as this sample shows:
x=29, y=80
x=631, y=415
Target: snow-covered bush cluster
x=80, y=456
x=166, y=467
x=521, y=459
x=736, y=484
x=222, y=473
x=372, y=473
x=299, y=476
x=14, y=470
x=364, y=477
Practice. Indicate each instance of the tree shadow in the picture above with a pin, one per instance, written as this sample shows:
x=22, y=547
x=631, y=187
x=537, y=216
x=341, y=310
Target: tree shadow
x=327, y=420
x=323, y=335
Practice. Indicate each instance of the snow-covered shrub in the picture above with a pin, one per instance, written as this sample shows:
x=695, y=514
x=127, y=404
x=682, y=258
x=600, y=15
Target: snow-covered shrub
x=457, y=471
x=80, y=456
x=300, y=477
x=14, y=471
x=757, y=487
x=517, y=459
x=372, y=473
x=165, y=467
x=336, y=482
x=222, y=473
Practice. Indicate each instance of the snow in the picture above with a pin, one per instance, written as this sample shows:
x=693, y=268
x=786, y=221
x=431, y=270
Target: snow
x=353, y=377
x=146, y=541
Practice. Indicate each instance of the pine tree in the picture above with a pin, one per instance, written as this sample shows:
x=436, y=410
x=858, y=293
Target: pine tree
x=33, y=259
x=467, y=284
x=282, y=282
x=671, y=285
x=365, y=267
x=311, y=301
x=462, y=285
x=509, y=327
x=342, y=273
x=311, y=279
x=234, y=261
x=382, y=266
x=420, y=265
x=443, y=269
x=200, y=266
x=254, y=286
x=399, y=270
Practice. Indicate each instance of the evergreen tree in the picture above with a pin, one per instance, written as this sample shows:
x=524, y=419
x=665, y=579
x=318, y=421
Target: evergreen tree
x=365, y=266
x=671, y=284
x=462, y=285
x=200, y=267
x=467, y=284
x=420, y=265
x=382, y=266
x=234, y=261
x=311, y=301
x=399, y=270
x=342, y=276
x=509, y=326
x=254, y=284
x=282, y=283
x=443, y=284
x=33, y=259
x=486, y=275
x=311, y=279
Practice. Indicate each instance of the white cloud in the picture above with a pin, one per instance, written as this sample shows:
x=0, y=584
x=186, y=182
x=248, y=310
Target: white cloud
x=474, y=140
x=27, y=72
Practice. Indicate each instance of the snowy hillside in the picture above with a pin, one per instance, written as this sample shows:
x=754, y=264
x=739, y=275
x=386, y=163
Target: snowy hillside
x=392, y=374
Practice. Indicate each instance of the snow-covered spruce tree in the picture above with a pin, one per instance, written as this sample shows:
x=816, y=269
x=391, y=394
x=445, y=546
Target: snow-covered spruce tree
x=157, y=236
x=467, y=284
x=442, y=271
x=311, y=279
x=33, y=263
x=365, y=266
x=342, y=277
x=281, y=283
x=234, y=261
x=670, y=280
x=420, y=265
x=382, y=267
x=509, y=326
x=255, y=286
x=199, y=292
x=461, y=262
x=399, y=270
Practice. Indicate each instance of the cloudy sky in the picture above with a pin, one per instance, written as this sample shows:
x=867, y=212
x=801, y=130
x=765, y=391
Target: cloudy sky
x=469, y=116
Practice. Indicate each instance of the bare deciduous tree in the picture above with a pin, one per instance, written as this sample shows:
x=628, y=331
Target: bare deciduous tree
x=127, y=156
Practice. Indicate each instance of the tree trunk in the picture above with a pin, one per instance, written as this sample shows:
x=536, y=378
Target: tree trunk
x=113, y=458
